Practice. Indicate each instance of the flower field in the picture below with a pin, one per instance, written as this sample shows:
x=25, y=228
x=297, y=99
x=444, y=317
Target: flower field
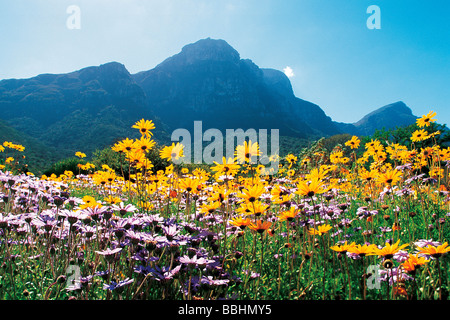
x=339, y=225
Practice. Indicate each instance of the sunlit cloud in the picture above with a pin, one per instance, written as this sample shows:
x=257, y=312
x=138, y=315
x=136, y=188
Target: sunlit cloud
x=288, y=72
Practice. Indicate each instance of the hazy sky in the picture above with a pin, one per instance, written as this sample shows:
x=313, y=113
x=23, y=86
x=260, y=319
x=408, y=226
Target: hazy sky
x=332, y=57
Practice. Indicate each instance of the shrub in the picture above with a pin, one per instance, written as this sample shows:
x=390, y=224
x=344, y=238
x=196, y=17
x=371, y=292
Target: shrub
x=69, y=164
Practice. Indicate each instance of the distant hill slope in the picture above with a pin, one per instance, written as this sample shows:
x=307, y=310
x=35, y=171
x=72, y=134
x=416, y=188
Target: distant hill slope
x=37, y=155
x=394, y=115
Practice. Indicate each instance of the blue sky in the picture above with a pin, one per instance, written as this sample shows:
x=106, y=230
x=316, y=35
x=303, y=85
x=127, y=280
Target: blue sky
x=337, y=62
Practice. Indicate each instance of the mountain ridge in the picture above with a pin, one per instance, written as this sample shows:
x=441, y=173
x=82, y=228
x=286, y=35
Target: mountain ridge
x=393, y=115
x=251, y=96
x=93, y=107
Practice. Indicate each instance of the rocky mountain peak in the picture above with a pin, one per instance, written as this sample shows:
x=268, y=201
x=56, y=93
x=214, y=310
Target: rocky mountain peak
x=210, y=50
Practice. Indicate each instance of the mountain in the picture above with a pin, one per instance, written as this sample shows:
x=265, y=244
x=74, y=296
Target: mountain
x=83, y=110
x=92, y=108
x=208, y=81
x=394, y=115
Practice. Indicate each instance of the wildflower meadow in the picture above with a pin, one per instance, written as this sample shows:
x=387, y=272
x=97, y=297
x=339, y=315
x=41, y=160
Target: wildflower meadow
x=364, y=221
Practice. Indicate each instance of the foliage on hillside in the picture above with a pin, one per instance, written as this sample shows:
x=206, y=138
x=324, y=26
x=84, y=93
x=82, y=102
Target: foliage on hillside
x=35, y=156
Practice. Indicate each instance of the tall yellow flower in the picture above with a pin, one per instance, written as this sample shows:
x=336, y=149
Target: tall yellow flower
x=390, y=177
x=389, y=250
x=288, y=215
x=258, y=208
x=310, y=188
x=144, y=127
x=336, y=156
x=410, y=265
x=189, y=185
x=435, y=251
x=136, y=157
x=144, y=144
x=362, y=250
x=291, y=159
x=372, y=144
x=80, y=154
x=343, y=248
x=260, y=226
x=319, y=173
x=305, y=161
x=284, y=199
x=368, y=176
x=173, y=152
x=244, y=153
x=353, y=143
x=89, y=202
x=244, y=208
x=425, y=120
x=219, y=193
x=253, y=193
x=104, y=177
x=210, y=208
x=419, y=135
x=240, y=222
x=126, y=145
x=227, y=167
x=322, y=229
